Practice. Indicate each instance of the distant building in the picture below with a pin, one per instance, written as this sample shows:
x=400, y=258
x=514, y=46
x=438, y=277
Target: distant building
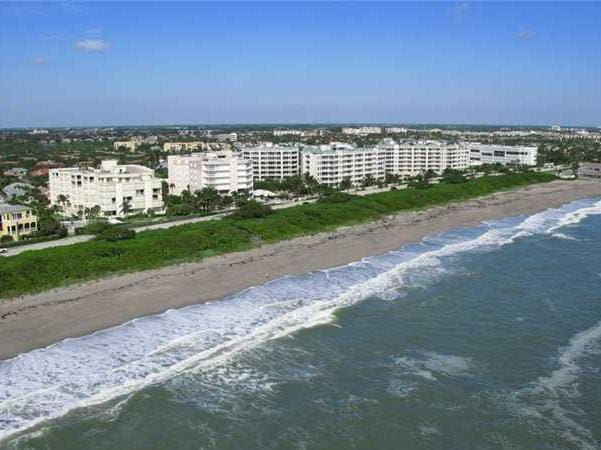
x=16, y=172
x=232, y=137
x=16, y=190
x=502, y=154
x=224, y=171
x=183, y=146
x=38, y=131
x=288, y=133
x=17, y=221
x=358, y=131
x=272, y=162
x=112, y=187
x=589, y=170
x=331, y=164
x=134, y=143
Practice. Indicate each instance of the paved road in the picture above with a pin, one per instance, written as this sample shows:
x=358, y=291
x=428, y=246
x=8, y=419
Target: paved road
x=160, y=226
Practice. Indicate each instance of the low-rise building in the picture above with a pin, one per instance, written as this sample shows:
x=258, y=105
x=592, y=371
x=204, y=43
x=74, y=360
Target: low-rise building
x=16, y=190
x=224, y=171
x=360, y=131
x=17, y=221
x=502, y=154
x=183, y=146
x=334, y=163
x=590, y=170
x=272, y=162
x=118, y=190
x=16, y=172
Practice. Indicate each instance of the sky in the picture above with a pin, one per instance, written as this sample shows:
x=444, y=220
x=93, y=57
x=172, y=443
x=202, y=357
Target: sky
x=101, y=63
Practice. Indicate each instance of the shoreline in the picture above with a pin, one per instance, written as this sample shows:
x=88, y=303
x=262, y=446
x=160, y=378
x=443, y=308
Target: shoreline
x=38, y=320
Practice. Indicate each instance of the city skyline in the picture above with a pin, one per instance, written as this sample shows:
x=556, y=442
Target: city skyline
x=98, y=64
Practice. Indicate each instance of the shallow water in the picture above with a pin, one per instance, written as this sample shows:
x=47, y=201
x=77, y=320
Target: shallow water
x=486, y=337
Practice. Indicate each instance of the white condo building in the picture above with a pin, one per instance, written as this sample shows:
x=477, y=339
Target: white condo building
x=331, y=164
x=272, y=162
x=502, y=154
x=223, y=171
x=414, y=157
x=110, y=187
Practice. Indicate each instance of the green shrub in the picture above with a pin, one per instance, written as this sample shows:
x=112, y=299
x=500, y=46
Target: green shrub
x=337, y=197
x=39, y=270
x=113, y=234
x=251, y=209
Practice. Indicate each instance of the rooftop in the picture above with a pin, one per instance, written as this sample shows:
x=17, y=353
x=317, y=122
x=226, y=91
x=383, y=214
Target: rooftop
x=12, y=208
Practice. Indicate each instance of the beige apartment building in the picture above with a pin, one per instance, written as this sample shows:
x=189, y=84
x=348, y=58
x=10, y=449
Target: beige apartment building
x=272, y=162
x=224, y=171
x=17, y=221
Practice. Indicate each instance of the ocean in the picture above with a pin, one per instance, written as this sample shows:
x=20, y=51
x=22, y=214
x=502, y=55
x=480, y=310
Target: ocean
x=479, y=338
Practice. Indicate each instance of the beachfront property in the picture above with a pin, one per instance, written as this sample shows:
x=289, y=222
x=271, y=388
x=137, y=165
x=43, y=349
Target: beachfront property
x=17, y=221
x=272, y=162
x=118, y=190
x=589, y=170
x=331, y=164
x=502, y=154
x=410, y=158
x=224, y=171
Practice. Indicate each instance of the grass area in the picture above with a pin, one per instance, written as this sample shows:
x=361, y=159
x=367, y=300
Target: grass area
x=39, y=270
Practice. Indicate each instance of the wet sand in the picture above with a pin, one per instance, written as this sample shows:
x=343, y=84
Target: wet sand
x=39, y=320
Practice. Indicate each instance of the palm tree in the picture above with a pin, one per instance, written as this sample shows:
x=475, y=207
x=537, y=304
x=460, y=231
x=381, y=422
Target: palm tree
x=62, y=200
x=126, y=207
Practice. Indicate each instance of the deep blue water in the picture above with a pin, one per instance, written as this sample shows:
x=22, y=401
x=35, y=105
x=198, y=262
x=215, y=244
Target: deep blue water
x=483, y=338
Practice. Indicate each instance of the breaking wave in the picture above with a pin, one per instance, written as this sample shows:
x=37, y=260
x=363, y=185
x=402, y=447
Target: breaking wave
x=48, y=383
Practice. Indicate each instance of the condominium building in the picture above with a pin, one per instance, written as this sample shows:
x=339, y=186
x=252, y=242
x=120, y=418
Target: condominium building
x=333, y=163
x=129, y=145
x=502, y=154
x=411, y=158
x=17, y=221
x=223, y=171
x=117, y=189
x=272, y=162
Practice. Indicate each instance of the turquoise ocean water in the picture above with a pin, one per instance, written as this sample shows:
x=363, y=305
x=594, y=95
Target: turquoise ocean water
x=480, y=338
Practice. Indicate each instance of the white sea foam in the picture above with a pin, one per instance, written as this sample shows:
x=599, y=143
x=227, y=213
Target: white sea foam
x=550, y=399
x=50, y=382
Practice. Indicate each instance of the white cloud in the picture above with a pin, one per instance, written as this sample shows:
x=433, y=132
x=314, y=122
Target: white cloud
x=525, y=35
x=40, y=60
x=53, y=37
x=459, y=10
x=92, y=45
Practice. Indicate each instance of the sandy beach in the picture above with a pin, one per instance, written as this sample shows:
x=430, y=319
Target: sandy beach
x=39, y=320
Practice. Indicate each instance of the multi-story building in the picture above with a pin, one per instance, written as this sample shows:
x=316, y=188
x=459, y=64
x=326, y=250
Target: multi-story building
x=17, y=221
x=130, y=145
x=359, y=131
x=288, y=133
x=334, y=163
x=589, y=170
x=411, y=158
x=183, y=146
x=502, y=154
x=272, y=162
x=223, y=171
x=117, y=189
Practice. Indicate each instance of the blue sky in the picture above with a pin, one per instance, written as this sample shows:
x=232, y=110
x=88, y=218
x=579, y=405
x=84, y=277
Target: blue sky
x=70, y=64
